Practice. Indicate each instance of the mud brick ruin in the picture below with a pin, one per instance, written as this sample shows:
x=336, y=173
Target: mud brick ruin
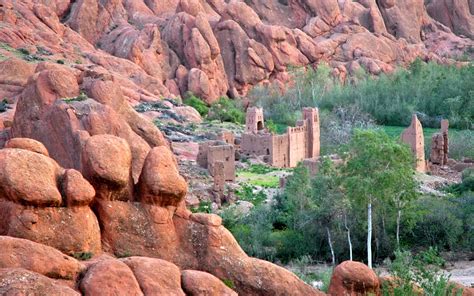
x=440, y=144
x=212, y=152
x=413, y=136
x=298, y=143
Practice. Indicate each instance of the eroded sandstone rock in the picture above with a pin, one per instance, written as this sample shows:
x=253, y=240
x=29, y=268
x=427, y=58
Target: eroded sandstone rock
x=202, y=283
x=354, y=278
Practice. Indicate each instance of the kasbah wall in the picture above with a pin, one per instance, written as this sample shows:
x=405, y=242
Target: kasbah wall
x=298, y=143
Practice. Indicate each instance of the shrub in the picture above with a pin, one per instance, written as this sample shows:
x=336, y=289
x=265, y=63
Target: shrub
x=204, y=207
x=227, y=110
x=422, y=271
x=82, y=255
x=197, y=104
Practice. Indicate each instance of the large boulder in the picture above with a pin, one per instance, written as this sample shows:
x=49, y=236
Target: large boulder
x=70, y=230
x=42, y=202
x=42, y=259
x=107, y=164
x=109, y=277
x=29, y=178
x=197, y=283
x=155, y=276
x=27, y=144
x=354, y=278
x=160, y=183
x=18, y=281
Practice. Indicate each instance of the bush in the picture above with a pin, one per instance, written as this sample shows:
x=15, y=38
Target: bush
x=422, y=271
x=82, y=255
x=197, y=104
x=253, y=232
x=227, y=110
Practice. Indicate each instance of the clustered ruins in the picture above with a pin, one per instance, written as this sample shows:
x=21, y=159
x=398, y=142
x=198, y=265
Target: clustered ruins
x=413, y=136
x=298, y=143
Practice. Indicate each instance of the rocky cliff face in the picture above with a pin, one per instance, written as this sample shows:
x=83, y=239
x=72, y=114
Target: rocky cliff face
x=156, y=49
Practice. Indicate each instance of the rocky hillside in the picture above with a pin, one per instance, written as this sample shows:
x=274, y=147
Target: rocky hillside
x=156, y=48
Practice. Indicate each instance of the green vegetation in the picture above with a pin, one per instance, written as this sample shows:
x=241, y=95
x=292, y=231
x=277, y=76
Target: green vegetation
x=197, y=104
x=431, y=90
x=410, y=273
x=223, y=110
x=4, y=106
x=81, y=97
x=229, y=283
x=246, y=193
x=204, y=207
x=259, y=175
x=82, y=255
x=227, y=110
x=325, y=217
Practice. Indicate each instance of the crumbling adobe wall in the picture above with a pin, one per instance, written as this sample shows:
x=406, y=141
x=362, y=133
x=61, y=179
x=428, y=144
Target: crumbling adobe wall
x=279, y=151
x=224, y=154
x=311, y=116
x=413, y=136
x=227, y=136
x=254, y=121
x=256, y=144
x=439, y=145
x=297, y=137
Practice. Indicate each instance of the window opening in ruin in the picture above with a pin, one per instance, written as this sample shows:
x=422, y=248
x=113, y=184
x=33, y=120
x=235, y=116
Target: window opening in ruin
x=260, y=125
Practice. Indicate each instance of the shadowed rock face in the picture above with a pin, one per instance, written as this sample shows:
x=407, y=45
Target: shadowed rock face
x=89, y=183
x=213, y=48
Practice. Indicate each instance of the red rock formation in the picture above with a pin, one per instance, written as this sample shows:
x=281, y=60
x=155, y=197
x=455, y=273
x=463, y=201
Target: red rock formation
x=213, y=48
x=354, y=278
x=201, y=283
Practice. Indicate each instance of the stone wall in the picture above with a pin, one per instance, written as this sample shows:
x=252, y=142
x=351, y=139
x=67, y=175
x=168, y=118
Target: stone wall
x=297, y=144
x=217, y=151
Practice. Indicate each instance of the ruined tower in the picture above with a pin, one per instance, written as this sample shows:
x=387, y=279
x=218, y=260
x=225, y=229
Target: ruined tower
x=311, y=115
x=440, y=145
x=254, y=120
x=413, y=136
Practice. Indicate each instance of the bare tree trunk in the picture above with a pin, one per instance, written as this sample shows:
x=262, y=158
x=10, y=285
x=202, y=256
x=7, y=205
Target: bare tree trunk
x=348, y=237
x=398, y=227
x=330, y=246
x=369, y=234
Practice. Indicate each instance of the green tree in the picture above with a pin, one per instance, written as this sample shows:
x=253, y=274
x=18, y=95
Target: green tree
x=377, y=169
x=331, y=207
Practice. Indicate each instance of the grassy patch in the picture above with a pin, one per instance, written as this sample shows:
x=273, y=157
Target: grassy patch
x=257, y=179
x=229, y=283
